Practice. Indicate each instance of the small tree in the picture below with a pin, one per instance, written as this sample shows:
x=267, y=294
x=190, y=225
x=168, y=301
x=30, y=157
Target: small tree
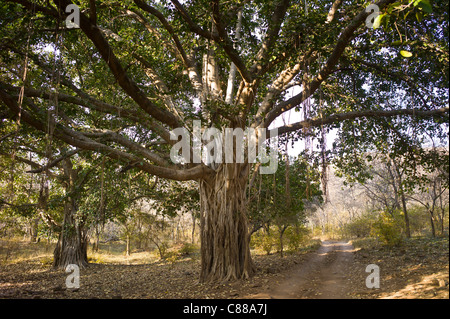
x=280, y=199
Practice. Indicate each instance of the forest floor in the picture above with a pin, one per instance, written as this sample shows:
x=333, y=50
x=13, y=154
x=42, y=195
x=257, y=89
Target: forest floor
x=419, y=268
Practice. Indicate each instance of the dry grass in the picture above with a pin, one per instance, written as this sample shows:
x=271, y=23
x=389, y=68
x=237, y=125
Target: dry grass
x=16, y=250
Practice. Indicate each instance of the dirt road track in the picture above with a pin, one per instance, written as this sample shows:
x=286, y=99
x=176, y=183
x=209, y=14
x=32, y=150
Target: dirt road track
x=321, y=276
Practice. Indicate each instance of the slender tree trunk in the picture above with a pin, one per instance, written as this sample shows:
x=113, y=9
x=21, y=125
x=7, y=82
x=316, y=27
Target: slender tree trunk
x=34, y=230
x=403, y=199
x=97, y=239
x=225, y=250
x=433, y=229
x=193, y=228
x=282, y=229
x=405, y=213
x=441, y=216
x=128, y=245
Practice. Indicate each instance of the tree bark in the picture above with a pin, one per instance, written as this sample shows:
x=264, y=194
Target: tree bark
x=34, y=224
x=403, y=198
x=282, y=229
x=73, y=240
x=433, y=229
x=225, y=249
x=405, y=212
x=193, y=228
x=128, y=245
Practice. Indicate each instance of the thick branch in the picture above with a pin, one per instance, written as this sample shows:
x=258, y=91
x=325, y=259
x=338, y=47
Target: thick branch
x=79, y=140
x=54, y=162
x=279, y=85
x=94, y=104
x=232, y=74
x=178, y=49
x=220, y=38
x=129, y=86
x=144, y=6
x=334, y=7
x=279, y=13
x=130, y=145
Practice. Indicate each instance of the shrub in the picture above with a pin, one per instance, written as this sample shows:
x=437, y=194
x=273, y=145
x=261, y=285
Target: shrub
x=188, y=249
x=264, y=241
x=161, y=249
x=172, y=257
x=296, y=236
x=388, y=229
x=360, y=226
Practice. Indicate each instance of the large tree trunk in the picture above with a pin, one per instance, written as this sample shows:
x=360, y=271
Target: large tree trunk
x=225, y=239
x=73, y=240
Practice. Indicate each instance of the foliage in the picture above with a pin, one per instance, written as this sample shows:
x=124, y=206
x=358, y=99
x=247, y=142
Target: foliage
x=360, y=226
x=264, y=241
x=188, y=249
x=270, y=202
x=388, y=228
x=295, y=237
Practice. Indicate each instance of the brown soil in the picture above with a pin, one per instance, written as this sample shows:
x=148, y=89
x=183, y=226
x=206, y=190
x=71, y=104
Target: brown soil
x=321, y=275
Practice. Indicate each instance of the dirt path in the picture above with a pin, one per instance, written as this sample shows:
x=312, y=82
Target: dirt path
x=322, y=275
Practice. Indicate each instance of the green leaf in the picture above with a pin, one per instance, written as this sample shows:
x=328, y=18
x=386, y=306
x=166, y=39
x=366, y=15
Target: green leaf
x=377, y=22
x=386, y=22
x=405, y=54
x=424, y=5
x=419, y=16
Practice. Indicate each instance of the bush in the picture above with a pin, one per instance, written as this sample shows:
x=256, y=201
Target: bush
x=360, y=226
x=264, y=241
x=188, y=249
x=296, y=236
x=172, y=257
x=293, y=238
x=388, y=229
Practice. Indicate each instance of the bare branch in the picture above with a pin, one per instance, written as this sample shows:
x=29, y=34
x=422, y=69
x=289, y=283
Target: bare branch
x=54, y=162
